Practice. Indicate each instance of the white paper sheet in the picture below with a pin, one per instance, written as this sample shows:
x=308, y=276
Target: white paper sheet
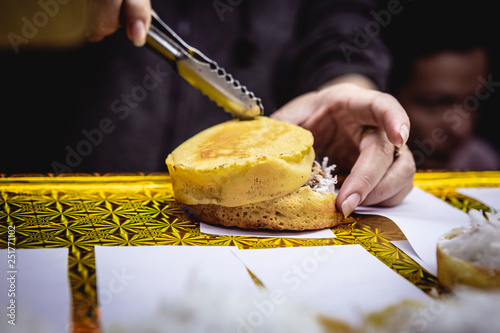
x=423, y=218
x=490, y=196
x=40, y=291
x=135, y=283
x=344, y=282
x=215, y=230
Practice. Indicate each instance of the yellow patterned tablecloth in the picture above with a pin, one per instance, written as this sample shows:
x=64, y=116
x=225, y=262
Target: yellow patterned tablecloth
x=80, y=211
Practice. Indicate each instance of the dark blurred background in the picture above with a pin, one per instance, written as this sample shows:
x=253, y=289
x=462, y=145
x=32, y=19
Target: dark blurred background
x=85, y=107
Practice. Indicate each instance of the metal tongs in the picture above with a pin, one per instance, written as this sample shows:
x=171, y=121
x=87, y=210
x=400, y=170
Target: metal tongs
x=202, y=72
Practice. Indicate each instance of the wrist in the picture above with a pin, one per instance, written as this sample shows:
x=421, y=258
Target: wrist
x=357, y=79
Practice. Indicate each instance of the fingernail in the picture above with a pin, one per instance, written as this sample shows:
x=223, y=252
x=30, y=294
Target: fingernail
x=137, y=33
x=350, y=204
x=404, y=131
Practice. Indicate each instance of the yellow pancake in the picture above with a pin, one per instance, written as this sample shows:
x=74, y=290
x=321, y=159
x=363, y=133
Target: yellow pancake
x=241, y=162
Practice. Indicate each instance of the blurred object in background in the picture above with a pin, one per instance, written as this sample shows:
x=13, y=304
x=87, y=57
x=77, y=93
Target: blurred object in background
x=28, y=24
x=445, y=76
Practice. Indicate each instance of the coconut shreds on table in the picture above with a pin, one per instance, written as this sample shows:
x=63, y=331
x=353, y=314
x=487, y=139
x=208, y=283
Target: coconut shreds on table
x=467, y=310
x=479, y=243
x=208, y=310
x=321, y=179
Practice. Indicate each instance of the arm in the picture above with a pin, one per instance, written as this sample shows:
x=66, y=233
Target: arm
x=338, y=101
x=329, y=41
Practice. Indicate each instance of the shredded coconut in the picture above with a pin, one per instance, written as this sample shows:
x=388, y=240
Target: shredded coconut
x=467, y=310
x=480, y=241
x=321, y=179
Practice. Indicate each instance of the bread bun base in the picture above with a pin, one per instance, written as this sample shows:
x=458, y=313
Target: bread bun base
x=303, y=209
x=454, y=272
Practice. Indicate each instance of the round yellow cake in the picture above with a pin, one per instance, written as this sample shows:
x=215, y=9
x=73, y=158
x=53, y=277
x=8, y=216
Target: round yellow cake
x=241, y=162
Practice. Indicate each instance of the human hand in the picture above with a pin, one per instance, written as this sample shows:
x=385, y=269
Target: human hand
x=109, y=15
x=358, y=129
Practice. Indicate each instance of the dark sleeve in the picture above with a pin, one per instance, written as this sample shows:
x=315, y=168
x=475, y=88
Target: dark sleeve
x=333, y=38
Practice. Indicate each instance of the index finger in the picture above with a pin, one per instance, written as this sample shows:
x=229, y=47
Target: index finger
x=375, y=157
x=385, y=112
x=374, y=108
x=105, y=20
